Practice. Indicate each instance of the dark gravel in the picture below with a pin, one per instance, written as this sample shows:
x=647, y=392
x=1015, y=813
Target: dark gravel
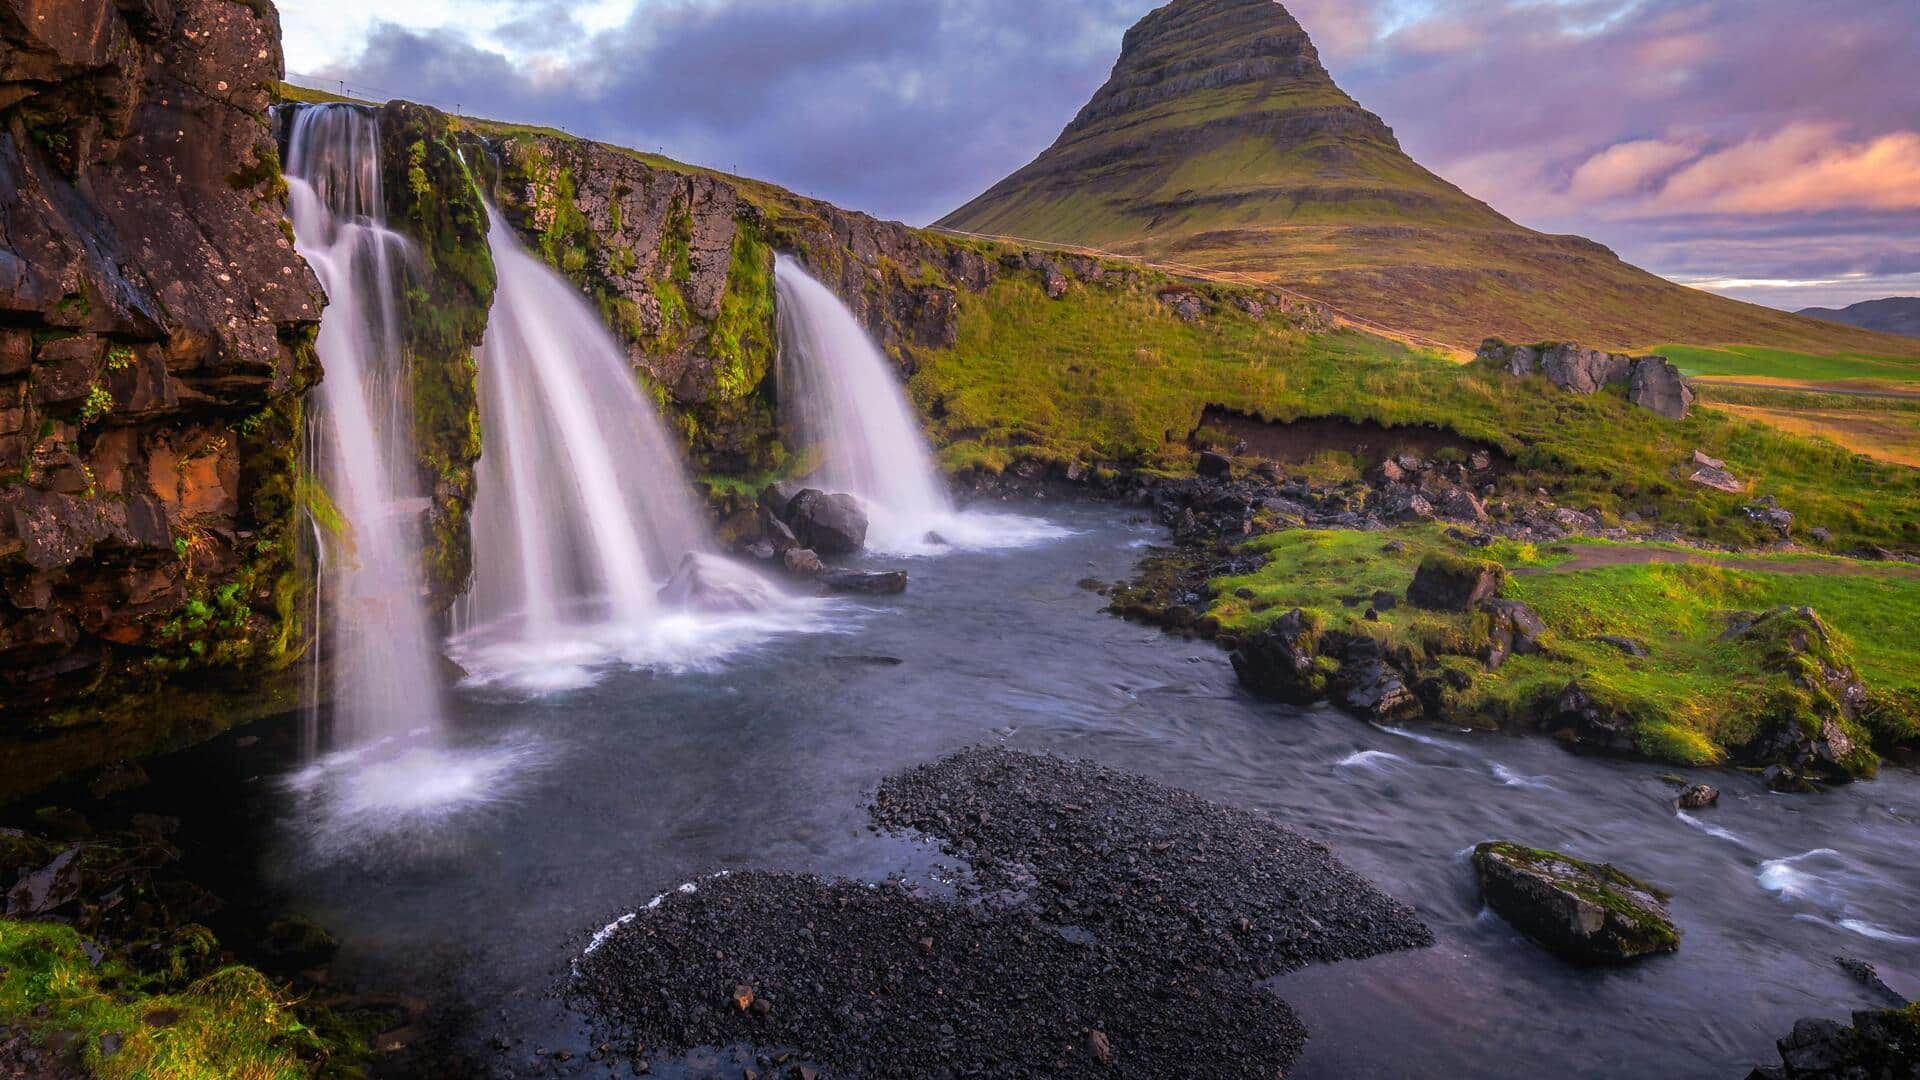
x=869, y=981
x=1150, y=870
x=1112, y=926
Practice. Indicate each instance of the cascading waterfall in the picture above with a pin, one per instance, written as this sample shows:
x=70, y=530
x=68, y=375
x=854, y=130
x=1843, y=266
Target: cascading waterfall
x=843, y=400
x=582, y=513
x=376, y=641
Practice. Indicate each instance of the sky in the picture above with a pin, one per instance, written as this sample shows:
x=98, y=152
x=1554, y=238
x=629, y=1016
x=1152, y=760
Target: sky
x=1766, y=149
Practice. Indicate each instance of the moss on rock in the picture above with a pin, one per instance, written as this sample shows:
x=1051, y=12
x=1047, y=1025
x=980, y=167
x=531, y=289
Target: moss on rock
x=1582, y=911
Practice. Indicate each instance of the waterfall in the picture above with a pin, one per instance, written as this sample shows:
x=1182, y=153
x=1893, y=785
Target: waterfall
x=844, y=402
x=583, y=513
x=375, y=640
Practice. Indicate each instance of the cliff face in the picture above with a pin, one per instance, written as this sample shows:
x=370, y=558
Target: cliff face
x=1220, y=141
x=680, y=263
x=155, y=340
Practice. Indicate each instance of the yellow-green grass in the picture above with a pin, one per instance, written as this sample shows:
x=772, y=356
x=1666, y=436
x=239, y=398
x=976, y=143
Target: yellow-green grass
x=1766, y=363
x=1693, y=698
x=1109, y=376
x=233, y=1024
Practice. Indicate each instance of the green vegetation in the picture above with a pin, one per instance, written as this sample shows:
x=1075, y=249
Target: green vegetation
x=1751, y=361
x=1693, y=698
x=231, y=1023
x=1110, y=376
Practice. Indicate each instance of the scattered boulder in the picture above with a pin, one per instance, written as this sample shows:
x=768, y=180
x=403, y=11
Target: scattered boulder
x=1626, y=645
x=1698, y=797
x=1811, y=724
x=777, y=496
x=1585, y=716
x=1657, y=386
x=1767, y=512
x=1281, y=660
x=1589, y=913
x=1513, y=628
x=1214, y=465
x=827, y=524
x=1709, y=471
x=1882, y=1043
x=872, y=583
x=1451, y=583
x=1374, y=688
x=802, y=562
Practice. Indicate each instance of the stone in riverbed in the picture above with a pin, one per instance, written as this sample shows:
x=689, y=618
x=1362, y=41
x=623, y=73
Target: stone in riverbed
x=802, y=562
x=827, y=524
x=881, y=583
x=1698, y=797
x=1280, y=662
x=1590, y=913
x=1451, y=583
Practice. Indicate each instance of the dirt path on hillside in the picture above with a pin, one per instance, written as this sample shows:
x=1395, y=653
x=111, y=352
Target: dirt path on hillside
x=1594, y=558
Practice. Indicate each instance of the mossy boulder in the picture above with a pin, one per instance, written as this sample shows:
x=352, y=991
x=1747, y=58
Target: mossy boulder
x=1881, y=1043
x=1282, y=660
x=1589, y=913
x=1810, y=726
x=1447, y=582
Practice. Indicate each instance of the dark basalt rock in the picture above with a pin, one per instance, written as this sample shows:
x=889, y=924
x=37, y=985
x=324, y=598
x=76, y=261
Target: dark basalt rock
x=1450, y=583
x=1585, y=912
x=1880, y=1045
x=1698, y=797
x=874, y=583
x=1214, y=465
x=1279, y=661
x=828, y=524
x=1373, y=687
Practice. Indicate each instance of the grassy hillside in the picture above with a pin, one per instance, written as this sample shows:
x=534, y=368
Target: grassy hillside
x=1221, y=142
x=1110, y=375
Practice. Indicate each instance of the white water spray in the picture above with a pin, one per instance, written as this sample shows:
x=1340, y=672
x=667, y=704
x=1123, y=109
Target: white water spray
x=582, y=512
x=375, y=640
x=844, y=402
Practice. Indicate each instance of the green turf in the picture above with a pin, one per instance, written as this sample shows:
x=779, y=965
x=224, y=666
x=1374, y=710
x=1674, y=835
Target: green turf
x=1755, y=361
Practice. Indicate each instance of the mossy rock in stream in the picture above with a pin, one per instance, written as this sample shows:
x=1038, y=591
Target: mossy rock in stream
x=1590, y=913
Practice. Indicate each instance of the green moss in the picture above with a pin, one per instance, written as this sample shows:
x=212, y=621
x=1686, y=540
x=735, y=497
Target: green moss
x=231, y=1023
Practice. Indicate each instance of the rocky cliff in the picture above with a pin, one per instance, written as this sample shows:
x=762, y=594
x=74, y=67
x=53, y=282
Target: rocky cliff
x=1220, y=141
x=155, y=340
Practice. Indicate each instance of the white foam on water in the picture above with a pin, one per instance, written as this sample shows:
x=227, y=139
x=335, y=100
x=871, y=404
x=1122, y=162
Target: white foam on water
x=1792, y=881
x=1424, y=740
x=1513, y=779
x=1711, y=830
x=1878, y=933
x=1370, y=761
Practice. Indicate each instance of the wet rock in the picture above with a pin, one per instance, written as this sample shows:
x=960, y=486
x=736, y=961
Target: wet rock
x=802, y=562
x=1868, y=976
x=1372, y=687
x=1589, y=913
x=1280, y=660
x=827, y=524
x=871, y=583
x=1450, y=583
x=1586, y=717
x=714, y=584
x=1698, y=797
x=777, y=496
x=1880, y=1045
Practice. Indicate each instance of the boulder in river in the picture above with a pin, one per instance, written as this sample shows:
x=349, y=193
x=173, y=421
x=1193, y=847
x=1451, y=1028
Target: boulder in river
x=1590, y=913
x=827, y=524
x=802, y=562
x=1882, y=1043
x=713, y=584
x=1698, y=797
x=872, y=583
x=1451, y=583
x=1280, y=660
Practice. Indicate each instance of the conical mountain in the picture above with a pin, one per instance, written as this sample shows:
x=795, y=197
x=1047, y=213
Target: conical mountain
x=1220, y=141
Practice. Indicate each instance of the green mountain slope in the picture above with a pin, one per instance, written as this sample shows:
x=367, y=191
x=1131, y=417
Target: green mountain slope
x=1221, y=142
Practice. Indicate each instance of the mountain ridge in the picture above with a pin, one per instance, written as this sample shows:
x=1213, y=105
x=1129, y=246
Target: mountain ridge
x=1220, y=140
x=1888, y=315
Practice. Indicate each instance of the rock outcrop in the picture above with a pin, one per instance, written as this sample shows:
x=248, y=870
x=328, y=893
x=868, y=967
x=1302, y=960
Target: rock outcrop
x=155, y=339
x=1881, y=1044
x=1651, y=382
x=1590, y=913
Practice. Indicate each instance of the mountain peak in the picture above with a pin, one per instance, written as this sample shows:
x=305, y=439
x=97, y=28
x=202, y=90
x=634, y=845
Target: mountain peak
x=1220, y=141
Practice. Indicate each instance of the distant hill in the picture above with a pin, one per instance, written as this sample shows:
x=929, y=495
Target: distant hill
x=1894, y=315
x=1221, y=141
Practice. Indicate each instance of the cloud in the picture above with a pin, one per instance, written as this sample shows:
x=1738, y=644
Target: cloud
x=1658, y=127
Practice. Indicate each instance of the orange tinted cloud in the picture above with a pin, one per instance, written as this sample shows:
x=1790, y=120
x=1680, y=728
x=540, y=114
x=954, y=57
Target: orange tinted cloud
x=1802, y=167
x=1628, y=168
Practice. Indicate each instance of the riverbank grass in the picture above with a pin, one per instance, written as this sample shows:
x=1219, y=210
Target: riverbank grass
x=232, y=1024
x=1694, y=697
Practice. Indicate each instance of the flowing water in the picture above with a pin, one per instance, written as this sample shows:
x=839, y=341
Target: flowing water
x=842, y=398
x=377, y=645
x=641, y=781
x=583, y=514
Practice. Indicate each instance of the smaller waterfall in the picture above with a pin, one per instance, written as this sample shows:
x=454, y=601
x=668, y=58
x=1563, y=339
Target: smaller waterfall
x=844, y=401
x=588, y=545
x=377, y=644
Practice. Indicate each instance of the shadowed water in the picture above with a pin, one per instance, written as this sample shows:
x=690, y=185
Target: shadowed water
x=644, y=781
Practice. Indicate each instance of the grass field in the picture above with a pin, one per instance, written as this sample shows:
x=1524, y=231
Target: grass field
x=1764, y=363
x=1693, y=698
x=1108, y=376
